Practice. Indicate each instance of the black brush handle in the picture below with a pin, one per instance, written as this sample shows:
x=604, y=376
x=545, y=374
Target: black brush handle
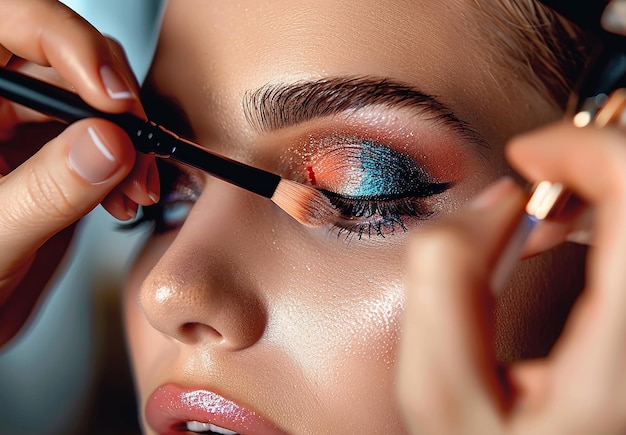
x=252, y=179
x=147, y=136
x=56, y=102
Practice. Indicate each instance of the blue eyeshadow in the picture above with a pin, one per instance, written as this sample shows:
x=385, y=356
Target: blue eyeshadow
x=384, y=173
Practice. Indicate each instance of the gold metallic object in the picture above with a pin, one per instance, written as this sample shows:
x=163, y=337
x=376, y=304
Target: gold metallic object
x=547, y=199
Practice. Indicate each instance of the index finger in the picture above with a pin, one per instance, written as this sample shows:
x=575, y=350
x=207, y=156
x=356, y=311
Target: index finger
x=51, y=34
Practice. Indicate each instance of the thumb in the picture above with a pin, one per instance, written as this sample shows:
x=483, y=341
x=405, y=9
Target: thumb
x=57, y=186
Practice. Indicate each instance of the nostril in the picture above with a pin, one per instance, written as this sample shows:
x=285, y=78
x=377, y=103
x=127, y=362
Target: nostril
x=196, y=301
x=193, y=332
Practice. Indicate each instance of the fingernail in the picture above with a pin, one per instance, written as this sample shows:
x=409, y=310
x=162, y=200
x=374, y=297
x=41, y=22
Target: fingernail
x=116, y=86
x=492, y=194
x=614, y=16
x=91, y=158
x=581, y=237
x=131, y=210
x=153, y=184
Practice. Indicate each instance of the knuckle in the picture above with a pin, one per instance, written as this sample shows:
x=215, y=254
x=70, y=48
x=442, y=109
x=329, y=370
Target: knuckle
x=615, y=165
x=58, y=15
x=45, y=196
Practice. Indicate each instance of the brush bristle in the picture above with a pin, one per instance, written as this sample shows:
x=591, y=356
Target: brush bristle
x=304, y=203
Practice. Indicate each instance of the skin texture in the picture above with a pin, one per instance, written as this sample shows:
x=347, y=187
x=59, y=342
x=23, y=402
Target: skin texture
x=298, y=324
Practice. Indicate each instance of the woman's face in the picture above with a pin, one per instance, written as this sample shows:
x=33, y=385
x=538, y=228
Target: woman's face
x=243, y=317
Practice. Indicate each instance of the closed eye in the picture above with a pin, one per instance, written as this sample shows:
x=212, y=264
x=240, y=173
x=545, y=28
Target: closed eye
x=381, y=216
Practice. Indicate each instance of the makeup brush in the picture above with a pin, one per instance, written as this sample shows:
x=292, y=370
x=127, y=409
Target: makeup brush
x=306, y=204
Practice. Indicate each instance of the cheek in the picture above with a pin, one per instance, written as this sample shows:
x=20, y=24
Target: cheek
x=331, y=344
x=337, y=317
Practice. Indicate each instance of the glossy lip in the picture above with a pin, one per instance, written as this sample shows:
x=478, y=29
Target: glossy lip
x=171, y=406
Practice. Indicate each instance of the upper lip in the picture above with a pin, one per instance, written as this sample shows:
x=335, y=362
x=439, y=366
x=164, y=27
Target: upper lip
x=171, y=406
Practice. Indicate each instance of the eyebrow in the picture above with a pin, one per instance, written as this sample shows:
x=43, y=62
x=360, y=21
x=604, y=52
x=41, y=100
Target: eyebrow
x=276, y=106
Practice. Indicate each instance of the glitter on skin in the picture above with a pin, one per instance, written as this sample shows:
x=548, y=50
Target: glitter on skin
x=364, y=168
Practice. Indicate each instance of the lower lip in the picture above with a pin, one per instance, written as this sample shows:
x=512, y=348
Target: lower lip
x=170, y=407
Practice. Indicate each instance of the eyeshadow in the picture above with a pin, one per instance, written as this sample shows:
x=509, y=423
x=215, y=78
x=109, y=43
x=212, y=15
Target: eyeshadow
x=385, y=172
x=364, y=168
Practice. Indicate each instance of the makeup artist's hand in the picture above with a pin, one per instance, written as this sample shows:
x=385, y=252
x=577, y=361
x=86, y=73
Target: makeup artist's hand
x=449, y=380
x=45, y=189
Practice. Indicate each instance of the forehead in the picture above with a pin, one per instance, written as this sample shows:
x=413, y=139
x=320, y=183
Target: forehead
x=232, y=47
x=315, y=37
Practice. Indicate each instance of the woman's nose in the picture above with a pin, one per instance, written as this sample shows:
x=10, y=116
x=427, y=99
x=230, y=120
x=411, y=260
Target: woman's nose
x=197, y=296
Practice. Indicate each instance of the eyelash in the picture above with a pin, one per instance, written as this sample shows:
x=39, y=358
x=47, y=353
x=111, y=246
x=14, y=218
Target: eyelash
x=359, y=217
x=380, y=216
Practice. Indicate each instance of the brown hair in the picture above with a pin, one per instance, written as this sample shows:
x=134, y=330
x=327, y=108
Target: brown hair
x=544, y=48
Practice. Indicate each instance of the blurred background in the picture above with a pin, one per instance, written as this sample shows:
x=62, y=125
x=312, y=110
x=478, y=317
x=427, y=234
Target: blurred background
x=68, y=371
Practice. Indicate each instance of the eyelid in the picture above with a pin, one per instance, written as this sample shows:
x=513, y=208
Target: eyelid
x=443, y=153
x=380, y=218
x=433, y=162
x=358, y=167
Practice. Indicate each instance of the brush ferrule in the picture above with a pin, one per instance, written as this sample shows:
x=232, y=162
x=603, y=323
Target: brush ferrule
x=153, y=139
